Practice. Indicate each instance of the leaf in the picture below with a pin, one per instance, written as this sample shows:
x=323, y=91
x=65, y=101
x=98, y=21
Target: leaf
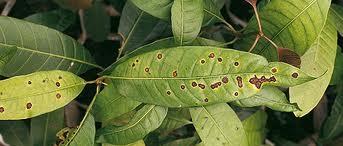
x=15, y=133
x=186, y=17
x=156, y=8
x=137, y=143
x=41, y=48
x=6, y=55
x=137, y=27
x=44, y=128
x=97, y=22
x=337, y=76
x=147, y=119
x=40, y=92
x=74, y=4
x=82, y=136
x=271, y=97
x=212, y=11
x=254, y=127
x=337, y=12
x=197, y=75
x=319, y=59
x=174, y=120
x=59, y=19
x=218, y=125
x=110, y=104
x=191, y=141
x=291, y=24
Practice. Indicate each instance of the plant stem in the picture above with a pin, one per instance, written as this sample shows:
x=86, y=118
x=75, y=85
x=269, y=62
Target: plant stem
x=8, y=7
x=270, y=41
x=255, y=43
x=83, y=36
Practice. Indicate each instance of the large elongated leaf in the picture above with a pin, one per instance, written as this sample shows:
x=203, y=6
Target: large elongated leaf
x=6, y=55
x=212, y=11
x=186, y=17
x=109, y=104
x=337, y=11
x=15, y=133
x=293, y=24
x=41, y=48
x=218, y=125
x=59, y=19
x=319, y=59
x=40, y=92
x=254, y=127
x=197, y=75
x=146, y=120
x=271, y=97
x=157, y=8
x=174, y=119
x=44, y=128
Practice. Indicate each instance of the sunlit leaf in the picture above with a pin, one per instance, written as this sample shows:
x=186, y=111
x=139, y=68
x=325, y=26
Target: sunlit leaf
x=40, y=92
x=254, y=127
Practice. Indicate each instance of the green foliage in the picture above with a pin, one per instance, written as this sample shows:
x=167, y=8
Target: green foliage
x=254, y=128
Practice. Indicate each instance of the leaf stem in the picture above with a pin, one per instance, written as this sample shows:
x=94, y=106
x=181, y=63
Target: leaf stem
x=255, y=43
x=229, y=43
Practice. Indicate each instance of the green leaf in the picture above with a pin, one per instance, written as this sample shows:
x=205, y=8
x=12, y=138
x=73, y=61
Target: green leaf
x=147, y=119
x=6, y=55
x=319, y=59
x=293, y=24
x=254, y=127
x=110, y=104
x=41, y=48
x=59, y=19
x=337, y=76
x=138, y=27
x=174, y=120
x=212, y=11
x=97, y=22
x=337, y=12
x=218, y=125
x=197, y=75
x=186, y=17
x=82, y=136
x=15, y=133
x=191, y=141
x=44, y=128
x=156, y=8
x=271, y=97
x=40, y=92
x=137, y=143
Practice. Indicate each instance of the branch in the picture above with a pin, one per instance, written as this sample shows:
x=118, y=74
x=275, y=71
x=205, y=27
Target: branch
x=8, y=7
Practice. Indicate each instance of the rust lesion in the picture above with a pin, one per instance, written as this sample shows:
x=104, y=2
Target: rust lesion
x=182, y=87
x=159, y=56
x=239, y=81
x=216, y=85
x=236, y=93
x=206, y=99
x=202, y=86
x=202, y=61
x=194, y=84
x=259, y=81
x=29, y=105
x=295, y=75
x=211, y=55
x=174, y=73
x=2, y=109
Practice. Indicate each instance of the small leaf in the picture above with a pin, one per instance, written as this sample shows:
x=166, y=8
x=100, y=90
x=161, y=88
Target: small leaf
x=218, y=124
x=319, y=59
x=186, y=17
x=147, y=119
x=59, y=19
x=40, y=92
x=254, y=127
x=197, y=75
x=109, y=104
x=41, y=48
x=44, y=128
x=156, y=8
x=15, y=133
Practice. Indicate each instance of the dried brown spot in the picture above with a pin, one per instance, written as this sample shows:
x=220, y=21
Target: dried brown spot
x=137, y=60
x=133, y=64
x=274, y=70
x=272, y=79
x=159, y=56
x=44, y=81
x=206, y=99
x=239, y=82
x=202, y=86
x=168, y=92
x=29, y=82
x=225, y=80
x=58, y=95
x=174, y=73
x=295, y=75
x=236, y=63
x=58, y=84
x=147, y=69
x=194, y=84
x=182, y=87
x=259, y=81
x=59, y=77
x=211, y=55
x=236, y=93
x=29, y=105
x=2, y=109
x=216, y=85
x=202, y=61
x=220, y=59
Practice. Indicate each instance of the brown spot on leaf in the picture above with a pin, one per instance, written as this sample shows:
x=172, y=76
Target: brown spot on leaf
x=29, y=105
x=220, y=59
x=133, y=64
x=58, y=84
x=295, y=75
x=202, y=86
x=259, y=81
x=194, y=84
x=137, y=60
x=59, y=77
x=159, y=56
x=239, y=82
x=236, y=63
x=147, y=69
x=29, y=82
x=174, y=73
x=1, y=93
x=168, y=92
x=211, y=55
x=274, y=70
x=236, y=93
x=58, y=95
x=216, y=85
x=182, y=87
x=202, y=61
x=225, y=80
x=206, y=99
x=2, y=109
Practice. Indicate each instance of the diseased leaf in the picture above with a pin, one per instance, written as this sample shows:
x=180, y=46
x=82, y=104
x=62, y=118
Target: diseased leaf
x=218, y=125
x=147, y=119
x=337, y=12
x=291, y=24
x=319, y=59
x=197, y=75
x=156, y=8
x=254, y=127
x=41, y=48
x=44, y=128
x=174, y=119
x=40, y=92
x=15, y=133
x=186, y=17
x=109, y=104
x=83, y=135
x=271, y=97
x=59, y=19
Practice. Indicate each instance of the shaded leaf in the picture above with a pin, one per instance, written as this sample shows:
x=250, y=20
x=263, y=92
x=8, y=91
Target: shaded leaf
x=156, y=8
x=271, y=97
x=59, y=19
x=212, y=11
x=197, y=75
x=254, y=127
x=186, y=17
x=337, y=76
x=44, y=128
x=6, y=55
x=137, y=143
x=15, y=133
x=337, y=12
x=40, y=92
x=174, y=120
x=191, y=141
x=109, y=104
x=74, y=4
x=319, y=59
x=218, y=125
x=41, y=48
x=147, y=119
x=291, y=24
